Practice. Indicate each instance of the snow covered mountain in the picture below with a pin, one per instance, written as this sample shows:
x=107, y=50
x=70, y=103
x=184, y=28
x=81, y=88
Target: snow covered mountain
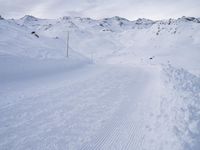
x=125, y=85
x=110, y=39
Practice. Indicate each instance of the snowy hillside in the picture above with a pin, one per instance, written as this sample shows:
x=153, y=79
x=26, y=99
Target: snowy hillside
x=125, y=85
x=23, y=51
x=20, y=40
x=111, y=39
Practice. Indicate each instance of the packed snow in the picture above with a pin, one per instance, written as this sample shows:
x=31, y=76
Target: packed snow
x=126, y=85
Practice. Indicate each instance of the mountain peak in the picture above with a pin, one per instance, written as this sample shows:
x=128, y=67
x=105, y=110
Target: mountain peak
x=143, y=21
x=193, y=19
x=117, y=18
x=29, y=18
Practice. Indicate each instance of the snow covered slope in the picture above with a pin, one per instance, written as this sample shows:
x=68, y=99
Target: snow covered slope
x=116, y=40
x=21, y=41
x=125, y=85
x=25, y=53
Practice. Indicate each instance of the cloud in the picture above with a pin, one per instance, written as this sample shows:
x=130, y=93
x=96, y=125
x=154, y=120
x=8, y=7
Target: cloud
x=131, y=9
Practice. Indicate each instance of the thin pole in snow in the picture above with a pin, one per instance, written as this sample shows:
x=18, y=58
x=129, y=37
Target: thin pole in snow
x=68, y=44
x=92, y=57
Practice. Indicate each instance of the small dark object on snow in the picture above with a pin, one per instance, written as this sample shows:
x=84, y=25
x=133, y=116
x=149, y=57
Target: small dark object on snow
x=35, y=34
x=121, y=24
x=101, y=25
x=1, y=18
x=152, y=57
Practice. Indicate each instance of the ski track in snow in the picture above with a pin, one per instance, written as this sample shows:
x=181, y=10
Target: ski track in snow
x=127, y=129
x=101, y=115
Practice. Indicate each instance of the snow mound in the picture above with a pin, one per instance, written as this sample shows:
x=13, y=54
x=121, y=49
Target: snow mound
x=176, y=125
x=180, y=107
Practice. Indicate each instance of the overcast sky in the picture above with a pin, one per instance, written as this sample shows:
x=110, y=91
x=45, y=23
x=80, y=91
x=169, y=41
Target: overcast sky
x=130, y=9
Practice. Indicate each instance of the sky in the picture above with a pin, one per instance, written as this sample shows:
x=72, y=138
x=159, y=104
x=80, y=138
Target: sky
x=130, y=9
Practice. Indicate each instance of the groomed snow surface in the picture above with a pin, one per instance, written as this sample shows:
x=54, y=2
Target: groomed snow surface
x=126, y=85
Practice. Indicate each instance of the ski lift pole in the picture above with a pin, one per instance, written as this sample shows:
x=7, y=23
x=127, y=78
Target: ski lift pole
x=68, y=44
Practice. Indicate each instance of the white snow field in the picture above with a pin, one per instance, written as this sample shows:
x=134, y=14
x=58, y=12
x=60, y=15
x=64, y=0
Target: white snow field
x=126, y=85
